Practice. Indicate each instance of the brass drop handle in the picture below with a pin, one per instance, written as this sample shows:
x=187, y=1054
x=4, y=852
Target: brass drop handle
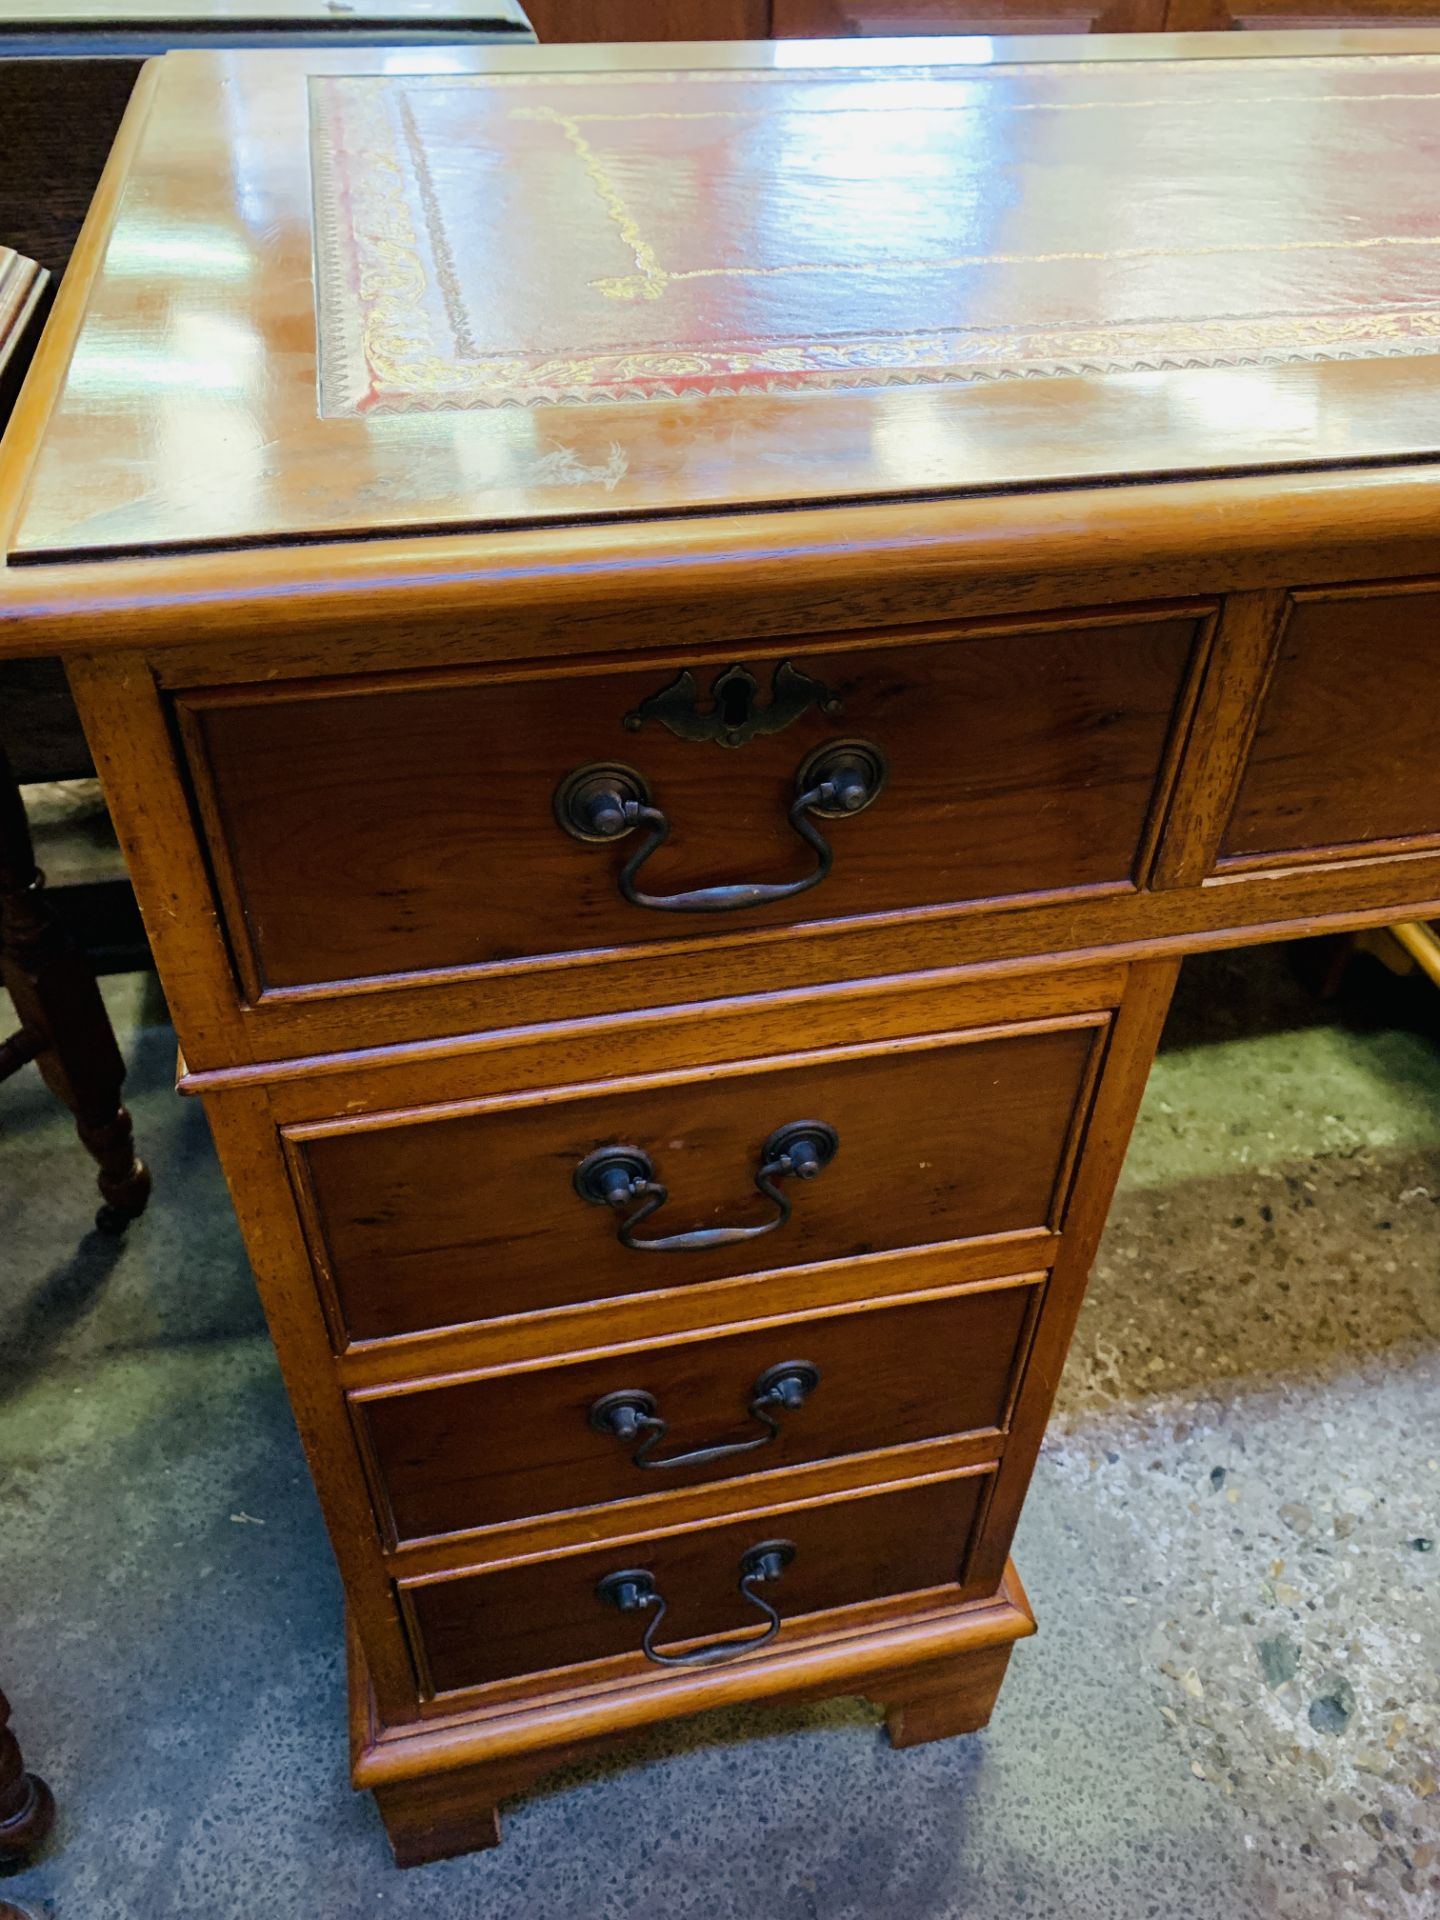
x=633, y=1590
x=630, y=1414
x=605, y=801
x=617, y=1176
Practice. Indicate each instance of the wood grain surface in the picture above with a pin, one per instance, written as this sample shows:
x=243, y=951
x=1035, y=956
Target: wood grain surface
x=455, y=1218
x=1343, y=755
x=1026, y=763
x=503, y=1447
x=541, y=1616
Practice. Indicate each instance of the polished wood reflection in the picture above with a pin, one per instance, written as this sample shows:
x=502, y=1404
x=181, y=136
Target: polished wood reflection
x=190, y=413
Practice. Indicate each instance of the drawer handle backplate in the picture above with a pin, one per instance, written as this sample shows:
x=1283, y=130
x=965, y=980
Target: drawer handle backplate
x=734, y=713
x=605, y=801
x=633, y=1590
x=616, y=1176
x=630, y=1414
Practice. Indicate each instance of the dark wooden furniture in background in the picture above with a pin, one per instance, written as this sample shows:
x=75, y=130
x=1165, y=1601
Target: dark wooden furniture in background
x=620, y=20
x=68, y=67
x=1228, y=16
x=601, y=20
x=810, y=19
x=27, y=1807
x=64, y=1028
x=668, y=841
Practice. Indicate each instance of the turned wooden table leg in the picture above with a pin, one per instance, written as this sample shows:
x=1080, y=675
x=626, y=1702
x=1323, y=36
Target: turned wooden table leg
x=954, y=1697
x=64, y=1027
x=27, y=1808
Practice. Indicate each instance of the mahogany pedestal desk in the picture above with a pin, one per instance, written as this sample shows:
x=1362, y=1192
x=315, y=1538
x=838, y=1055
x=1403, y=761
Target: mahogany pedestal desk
x=678, y=656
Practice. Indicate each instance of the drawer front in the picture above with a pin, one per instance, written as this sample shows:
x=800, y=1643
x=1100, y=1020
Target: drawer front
x=479, y=1452
x=399, y=829
x=442, y=1222
x=1345, y=751
x=473, y=1629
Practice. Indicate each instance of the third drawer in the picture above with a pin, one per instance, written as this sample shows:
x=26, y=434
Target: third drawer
x=480, y=1451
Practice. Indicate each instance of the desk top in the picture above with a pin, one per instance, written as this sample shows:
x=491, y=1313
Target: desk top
x=467, y=288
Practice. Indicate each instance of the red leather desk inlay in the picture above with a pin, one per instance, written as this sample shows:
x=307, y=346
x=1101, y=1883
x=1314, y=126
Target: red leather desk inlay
x=501, y=240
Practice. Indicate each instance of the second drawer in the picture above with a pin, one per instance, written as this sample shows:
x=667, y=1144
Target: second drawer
x=434, y=1217
x=493, y=1448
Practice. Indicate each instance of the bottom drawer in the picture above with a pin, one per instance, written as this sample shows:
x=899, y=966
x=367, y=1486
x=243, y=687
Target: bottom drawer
x=476, y=1628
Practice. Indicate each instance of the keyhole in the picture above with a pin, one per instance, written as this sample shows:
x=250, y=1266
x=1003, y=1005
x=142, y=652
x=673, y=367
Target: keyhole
x=735, y=703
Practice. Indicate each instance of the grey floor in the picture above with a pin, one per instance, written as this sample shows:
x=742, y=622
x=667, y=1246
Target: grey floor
x=1232, y=1707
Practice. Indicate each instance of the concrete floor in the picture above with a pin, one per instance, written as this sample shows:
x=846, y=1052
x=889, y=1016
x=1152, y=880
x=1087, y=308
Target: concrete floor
x=1231, y=1709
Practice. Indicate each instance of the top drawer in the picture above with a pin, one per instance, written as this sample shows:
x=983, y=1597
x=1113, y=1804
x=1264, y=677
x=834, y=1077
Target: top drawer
x=405, y=826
